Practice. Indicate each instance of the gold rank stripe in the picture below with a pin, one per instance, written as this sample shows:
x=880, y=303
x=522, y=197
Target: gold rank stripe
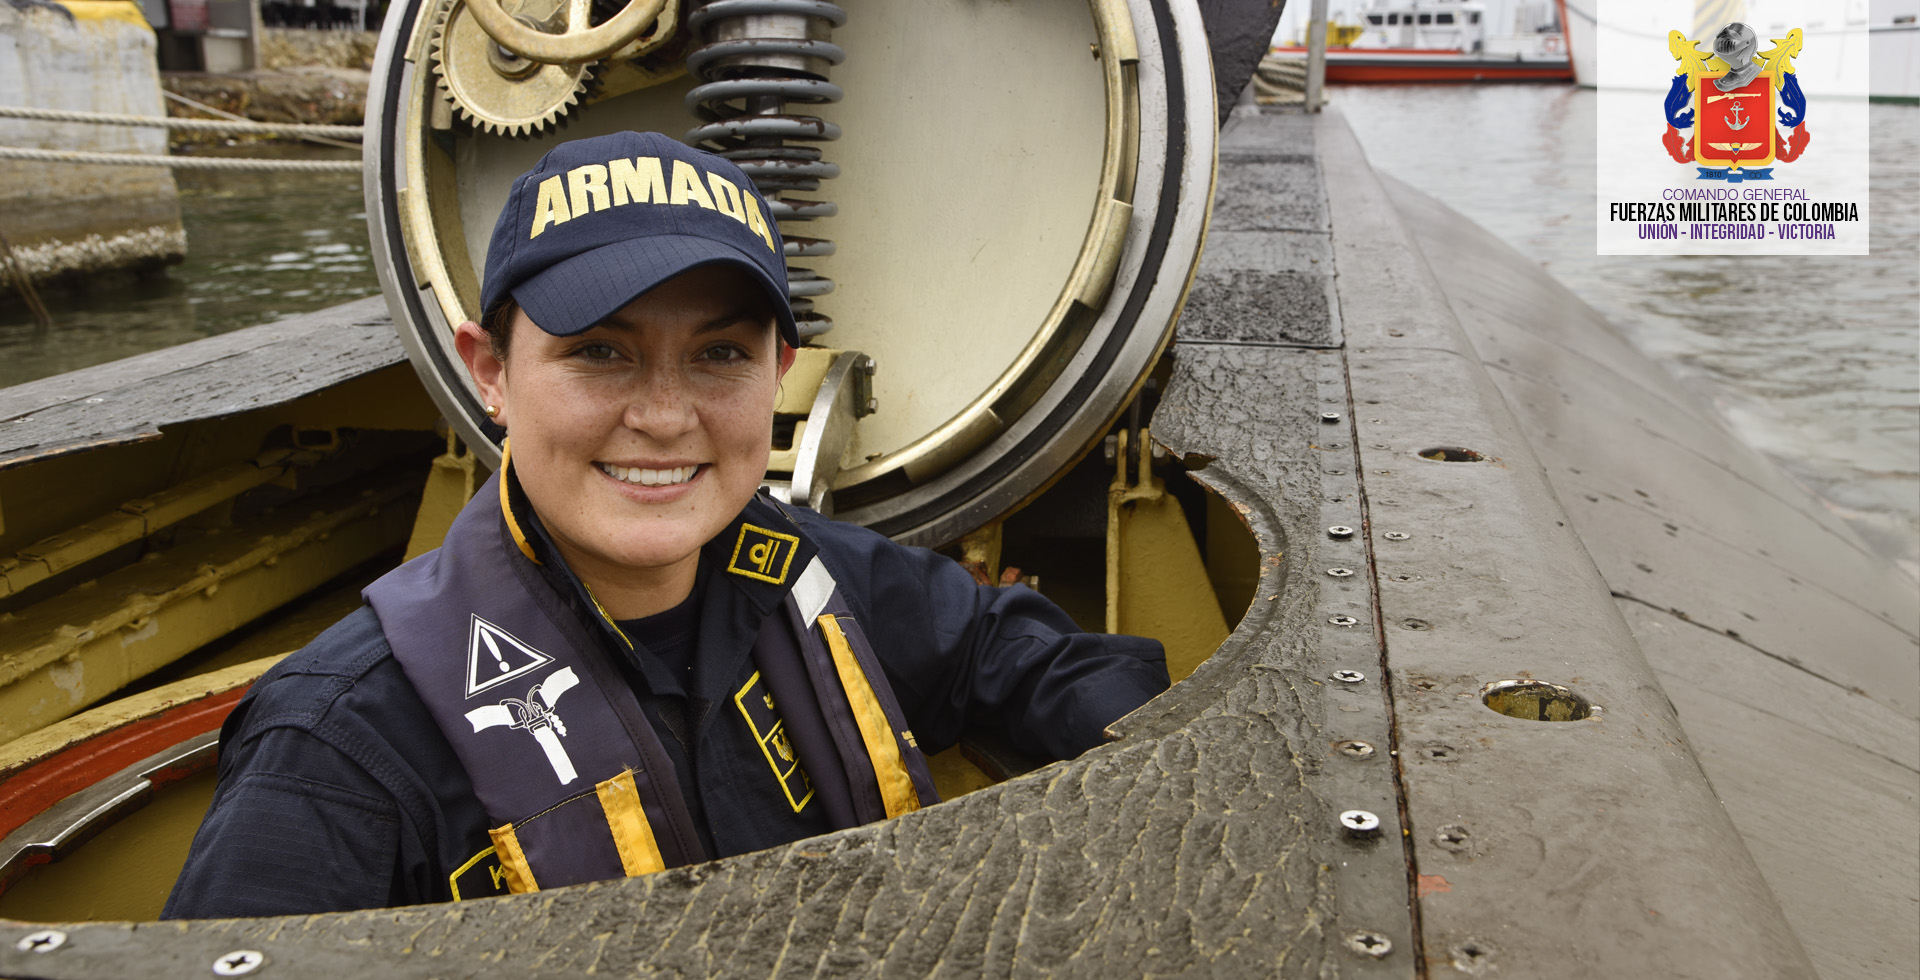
x=506, y=846
x=627, y=819
x=889, y=769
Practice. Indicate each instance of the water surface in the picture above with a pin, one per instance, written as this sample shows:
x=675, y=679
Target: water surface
x=260, y=247
x=1815, y=360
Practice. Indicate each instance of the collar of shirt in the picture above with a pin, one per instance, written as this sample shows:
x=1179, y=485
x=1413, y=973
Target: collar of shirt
x=745, y=573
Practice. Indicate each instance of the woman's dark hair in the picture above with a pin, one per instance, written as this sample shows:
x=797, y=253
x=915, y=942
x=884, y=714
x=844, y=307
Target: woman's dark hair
x=498, y=324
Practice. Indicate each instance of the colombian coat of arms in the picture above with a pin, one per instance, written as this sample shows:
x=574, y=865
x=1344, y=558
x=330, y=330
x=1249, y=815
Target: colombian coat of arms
x=1731, y=100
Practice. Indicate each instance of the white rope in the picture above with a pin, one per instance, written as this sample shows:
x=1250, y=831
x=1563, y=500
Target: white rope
x=182, y=125
x=179, y=163
x=224, y=114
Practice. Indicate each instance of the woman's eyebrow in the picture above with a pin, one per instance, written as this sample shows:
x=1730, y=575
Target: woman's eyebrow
x=726, y=320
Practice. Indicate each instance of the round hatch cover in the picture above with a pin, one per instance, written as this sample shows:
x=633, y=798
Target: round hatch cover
x=988, y=249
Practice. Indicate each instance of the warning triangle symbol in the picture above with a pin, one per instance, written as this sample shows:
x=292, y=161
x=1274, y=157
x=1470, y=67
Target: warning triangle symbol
x=495, y=656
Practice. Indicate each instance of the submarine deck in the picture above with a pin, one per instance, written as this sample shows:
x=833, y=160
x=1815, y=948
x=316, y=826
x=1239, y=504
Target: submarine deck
x=1743, y=805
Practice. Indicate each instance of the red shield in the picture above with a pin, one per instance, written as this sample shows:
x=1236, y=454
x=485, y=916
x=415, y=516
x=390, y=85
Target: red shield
x=1733, y=129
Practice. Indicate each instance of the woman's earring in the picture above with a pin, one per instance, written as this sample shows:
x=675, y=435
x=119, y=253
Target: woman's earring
x=492, y=412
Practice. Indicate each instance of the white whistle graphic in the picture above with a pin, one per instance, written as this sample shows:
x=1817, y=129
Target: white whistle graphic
x=536, y=714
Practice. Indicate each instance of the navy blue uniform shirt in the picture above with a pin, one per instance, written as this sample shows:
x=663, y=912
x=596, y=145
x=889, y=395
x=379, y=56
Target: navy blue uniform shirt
x=338, y=791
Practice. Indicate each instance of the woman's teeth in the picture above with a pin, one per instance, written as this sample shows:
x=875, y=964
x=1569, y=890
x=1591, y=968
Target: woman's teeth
x=649, y=478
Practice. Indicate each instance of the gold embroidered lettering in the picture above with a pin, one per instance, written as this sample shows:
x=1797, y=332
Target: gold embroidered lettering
x=638, y=180
x=551, y=207
x=726, y=197
x=686, y=186
x=755, y=222
x=588, y=183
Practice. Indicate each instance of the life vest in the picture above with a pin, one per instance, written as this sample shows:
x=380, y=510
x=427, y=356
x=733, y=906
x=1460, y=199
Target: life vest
x=522, y=679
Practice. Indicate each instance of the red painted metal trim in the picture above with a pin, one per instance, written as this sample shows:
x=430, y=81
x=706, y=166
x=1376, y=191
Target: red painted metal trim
x=1566, y=37
x=31, y=791
x=1368, y=52
x=1414, y=72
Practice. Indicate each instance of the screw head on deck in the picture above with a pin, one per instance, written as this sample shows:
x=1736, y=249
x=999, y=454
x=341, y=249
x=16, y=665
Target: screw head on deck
x=1396, y=535
x=1349, y=676
x=41, y=941
x=1360, y=823
x=1329, y=416
x=1366, y=942
x=1343, y=621
x=1339, y=532
x=238, y=963
x=1354, y=749
x=1339, y=572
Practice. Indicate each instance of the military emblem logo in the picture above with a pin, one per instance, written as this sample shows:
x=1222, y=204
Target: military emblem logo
x=762, y=554
x=756, y=706
x=1745, y=110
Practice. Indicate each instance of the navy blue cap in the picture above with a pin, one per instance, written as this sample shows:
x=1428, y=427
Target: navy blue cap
x=599, y=221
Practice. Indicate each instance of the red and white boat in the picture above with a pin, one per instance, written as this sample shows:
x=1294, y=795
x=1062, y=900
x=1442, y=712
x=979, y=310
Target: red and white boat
x=1445, y=41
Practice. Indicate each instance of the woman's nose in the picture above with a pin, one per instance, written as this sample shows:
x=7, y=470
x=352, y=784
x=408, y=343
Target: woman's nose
x=661, y=407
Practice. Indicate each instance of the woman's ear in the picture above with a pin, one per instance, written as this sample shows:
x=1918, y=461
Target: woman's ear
x=787, y=354
x=489, y=373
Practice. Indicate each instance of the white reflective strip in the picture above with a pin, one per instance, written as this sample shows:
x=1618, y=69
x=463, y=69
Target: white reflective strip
x=811, y=590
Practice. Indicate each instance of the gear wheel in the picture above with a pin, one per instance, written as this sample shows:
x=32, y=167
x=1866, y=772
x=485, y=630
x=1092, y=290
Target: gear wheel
x=496, y=89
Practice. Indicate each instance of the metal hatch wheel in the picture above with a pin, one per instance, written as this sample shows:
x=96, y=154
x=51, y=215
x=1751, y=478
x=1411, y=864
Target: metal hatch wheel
x=1019, y=194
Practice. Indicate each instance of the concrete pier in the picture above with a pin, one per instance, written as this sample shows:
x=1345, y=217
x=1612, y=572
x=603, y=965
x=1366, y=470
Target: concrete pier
x=71, y=218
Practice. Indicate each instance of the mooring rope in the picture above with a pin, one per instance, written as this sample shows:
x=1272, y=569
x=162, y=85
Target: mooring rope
x=183, y=125
x=179, y=163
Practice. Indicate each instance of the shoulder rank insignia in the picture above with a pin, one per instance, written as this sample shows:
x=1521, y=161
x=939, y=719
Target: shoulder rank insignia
x=762, y=554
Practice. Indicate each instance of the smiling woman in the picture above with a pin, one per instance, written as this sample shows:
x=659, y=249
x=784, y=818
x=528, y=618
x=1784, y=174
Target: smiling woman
x=624, y=657
x=641, y=438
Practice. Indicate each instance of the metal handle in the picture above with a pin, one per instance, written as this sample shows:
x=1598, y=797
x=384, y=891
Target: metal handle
x=578, y=43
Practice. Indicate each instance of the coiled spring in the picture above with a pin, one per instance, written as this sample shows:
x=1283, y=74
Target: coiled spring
x=757, y=58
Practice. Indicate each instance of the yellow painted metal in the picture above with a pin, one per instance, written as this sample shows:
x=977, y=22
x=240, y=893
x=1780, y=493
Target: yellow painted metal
x=62, y=735
x=980, y=553
x=795, y=400
x=138, y=518
x=122, y=10
x=956, y=775
x=1233, y=557
x=1157, y=583
x=47, y=495
x=450, y=484
x=127, y=871
x=802, y=383
x=69, y=651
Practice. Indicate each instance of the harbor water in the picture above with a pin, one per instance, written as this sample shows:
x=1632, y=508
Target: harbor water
x=1816, y=361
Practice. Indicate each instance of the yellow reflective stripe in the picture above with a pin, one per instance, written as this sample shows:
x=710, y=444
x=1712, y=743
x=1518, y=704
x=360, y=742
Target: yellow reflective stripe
x=453, y=880
x=632, y=835
x=889, y=770
x=506, y=845
x=506, y=504
x=602, y=610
